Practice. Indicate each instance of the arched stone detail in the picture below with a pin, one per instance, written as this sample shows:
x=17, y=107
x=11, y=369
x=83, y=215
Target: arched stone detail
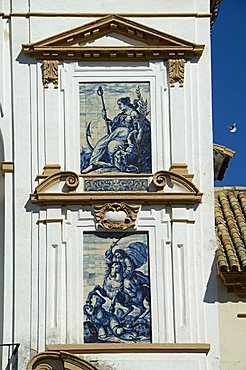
x=58, y=361
x=159, y=191
x=71, y=180
x=161, y=178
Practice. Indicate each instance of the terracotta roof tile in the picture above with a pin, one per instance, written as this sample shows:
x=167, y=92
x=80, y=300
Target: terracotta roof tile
x=230, y=222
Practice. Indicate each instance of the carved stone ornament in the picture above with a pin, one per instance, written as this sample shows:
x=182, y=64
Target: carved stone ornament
x=50, y=73
x=77, y=45
x=176, y=68
x=161, y=178
x=214, y=10
x=116, y=215
x=52, y=360
x=71, y=182
x=165, y=187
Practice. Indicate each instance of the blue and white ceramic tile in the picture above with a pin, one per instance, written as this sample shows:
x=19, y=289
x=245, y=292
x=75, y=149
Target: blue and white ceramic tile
x=115, y=129
x=116, y=287
x=133, y=184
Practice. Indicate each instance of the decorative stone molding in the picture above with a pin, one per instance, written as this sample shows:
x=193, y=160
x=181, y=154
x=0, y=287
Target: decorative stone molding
x=176, y=69
x=161, y=178
x=214, y=9
x=130, y=348
x=161, y=190
x=64, y=356
x=71, y=181
x=116, y=215
x=52, y=360
x=49, y=169
x=67, y=45
x=7, y=167
x=183, y=220
x=73, y=45
x=50, y=73
x=95, y=15
x=181, y=169
x=49, y=221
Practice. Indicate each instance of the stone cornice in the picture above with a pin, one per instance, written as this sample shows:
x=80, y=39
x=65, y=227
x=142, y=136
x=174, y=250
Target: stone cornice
x=132, y=348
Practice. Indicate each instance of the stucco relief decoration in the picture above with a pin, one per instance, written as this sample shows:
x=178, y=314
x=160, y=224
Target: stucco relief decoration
x=50, y=73
x=72, y=181
x=115, y=128
x=176, y=68
x=160, y=180
x=116, y=215
x=116, y=287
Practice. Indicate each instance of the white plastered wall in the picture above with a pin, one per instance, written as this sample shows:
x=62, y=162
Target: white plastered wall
x=43, y=296
x=232, y=329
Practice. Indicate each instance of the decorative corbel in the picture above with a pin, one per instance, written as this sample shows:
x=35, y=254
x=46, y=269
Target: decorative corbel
x=119, y=216
x=50, y=73
x=176, y=69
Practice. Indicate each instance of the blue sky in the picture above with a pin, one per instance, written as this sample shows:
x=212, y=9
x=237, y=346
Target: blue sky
x=229, y=86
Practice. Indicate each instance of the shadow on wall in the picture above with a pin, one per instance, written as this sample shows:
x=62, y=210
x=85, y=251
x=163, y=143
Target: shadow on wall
x=1, y=242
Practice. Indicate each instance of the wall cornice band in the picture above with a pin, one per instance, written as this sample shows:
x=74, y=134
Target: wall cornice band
x=133, y=348
x=96, y=15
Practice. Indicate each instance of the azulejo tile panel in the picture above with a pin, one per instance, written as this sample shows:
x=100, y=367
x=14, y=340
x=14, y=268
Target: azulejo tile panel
x=133, y=184
x=116, y=287
x=115, y=128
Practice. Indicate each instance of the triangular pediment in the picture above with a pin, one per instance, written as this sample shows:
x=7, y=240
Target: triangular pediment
x=131, y=40
x=115, y=40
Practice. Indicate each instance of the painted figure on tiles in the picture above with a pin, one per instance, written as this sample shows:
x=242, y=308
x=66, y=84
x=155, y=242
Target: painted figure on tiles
x=119, y=307
x=123, y=143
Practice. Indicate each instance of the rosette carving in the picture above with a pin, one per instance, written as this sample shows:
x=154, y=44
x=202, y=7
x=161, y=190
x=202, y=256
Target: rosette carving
x=116, y=215
x=72, y=181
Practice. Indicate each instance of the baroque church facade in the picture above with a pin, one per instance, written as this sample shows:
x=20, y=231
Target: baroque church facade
x=107, y=239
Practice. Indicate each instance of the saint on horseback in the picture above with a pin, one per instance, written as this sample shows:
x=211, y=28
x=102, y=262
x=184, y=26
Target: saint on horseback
x=125, y=286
